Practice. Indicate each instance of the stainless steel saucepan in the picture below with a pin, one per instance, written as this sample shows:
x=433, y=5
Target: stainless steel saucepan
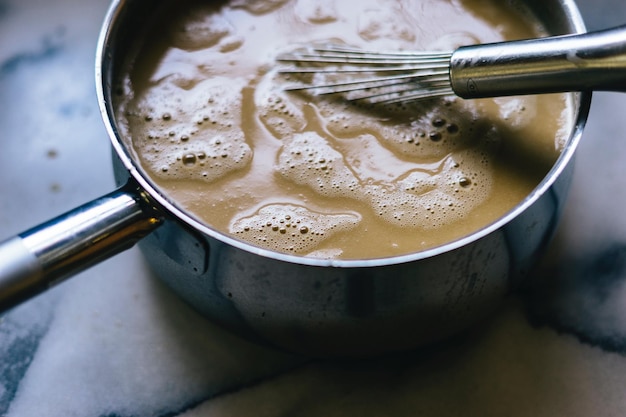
x=323, y=307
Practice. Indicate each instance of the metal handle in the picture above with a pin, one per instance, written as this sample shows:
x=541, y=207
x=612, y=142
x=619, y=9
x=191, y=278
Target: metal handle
x=43, y=256
x=590, y=61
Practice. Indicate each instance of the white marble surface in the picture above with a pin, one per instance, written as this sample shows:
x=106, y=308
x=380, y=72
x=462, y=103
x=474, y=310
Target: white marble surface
x=113, y=342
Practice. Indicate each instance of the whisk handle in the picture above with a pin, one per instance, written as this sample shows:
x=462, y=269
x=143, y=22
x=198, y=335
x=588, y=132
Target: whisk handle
x=590, y=61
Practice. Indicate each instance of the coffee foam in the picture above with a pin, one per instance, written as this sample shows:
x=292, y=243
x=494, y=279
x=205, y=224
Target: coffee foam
x=424, y=130
x=464, y=181
x=518, y=111
x=278, y=113
x=386, y=23
x=258, y=7
x=316, y=11
x=420, y=199
x=201, y=31
x=190, y=134
x=308, y=159
x=290, y=228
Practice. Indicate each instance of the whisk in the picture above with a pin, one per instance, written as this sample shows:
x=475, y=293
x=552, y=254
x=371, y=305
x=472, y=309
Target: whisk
x=583, y=62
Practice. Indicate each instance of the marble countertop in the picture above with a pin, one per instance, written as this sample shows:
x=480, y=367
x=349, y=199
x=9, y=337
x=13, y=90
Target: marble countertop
x=114, y=342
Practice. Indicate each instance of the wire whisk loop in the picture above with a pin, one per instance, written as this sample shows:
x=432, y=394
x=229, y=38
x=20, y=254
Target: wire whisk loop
x=375, y=77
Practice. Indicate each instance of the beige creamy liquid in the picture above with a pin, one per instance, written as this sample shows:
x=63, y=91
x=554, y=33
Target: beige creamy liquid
x=204, y=111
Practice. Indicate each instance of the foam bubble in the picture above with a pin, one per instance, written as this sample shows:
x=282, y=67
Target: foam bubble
x=190, y=134
x=278, y=113
x=316, y=11
x=333, y=253
x=290, y=228
x=424, y=130
x=385, y=23
x=518, y=111
x=200, y=31
x=258, y=6
x=566, y=120
x=429, y=201
x=308, y=159
x=418, y=199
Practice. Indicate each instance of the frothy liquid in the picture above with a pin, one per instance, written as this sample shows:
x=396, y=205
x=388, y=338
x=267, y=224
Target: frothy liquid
x=206, y=115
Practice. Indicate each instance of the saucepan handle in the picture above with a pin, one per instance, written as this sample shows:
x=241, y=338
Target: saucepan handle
x=45, y=255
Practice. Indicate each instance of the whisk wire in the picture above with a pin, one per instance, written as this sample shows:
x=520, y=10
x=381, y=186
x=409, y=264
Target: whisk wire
x=378, y=77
